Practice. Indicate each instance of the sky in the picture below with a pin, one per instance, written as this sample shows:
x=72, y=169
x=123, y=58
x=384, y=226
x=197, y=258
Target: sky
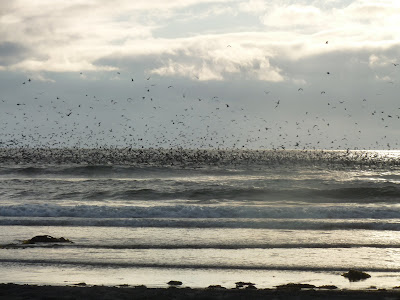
x=200, y=74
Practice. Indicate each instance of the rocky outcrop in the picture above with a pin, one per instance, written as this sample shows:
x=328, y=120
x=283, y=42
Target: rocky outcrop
x=354, y=275
x=46, y=239
x=245, y=285
x=295, y=286
x=174, y=283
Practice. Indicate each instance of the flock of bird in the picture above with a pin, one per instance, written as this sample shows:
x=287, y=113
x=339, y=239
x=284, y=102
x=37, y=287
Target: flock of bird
x=163, y=115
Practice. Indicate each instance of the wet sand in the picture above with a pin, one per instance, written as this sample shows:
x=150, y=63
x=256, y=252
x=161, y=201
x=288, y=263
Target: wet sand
x=15, y=291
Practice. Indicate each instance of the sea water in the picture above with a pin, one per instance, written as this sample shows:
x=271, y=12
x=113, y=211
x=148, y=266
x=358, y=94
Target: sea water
x=200, y=216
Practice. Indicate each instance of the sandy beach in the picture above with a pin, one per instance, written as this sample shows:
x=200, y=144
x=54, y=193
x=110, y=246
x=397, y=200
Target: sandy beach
x=15, y=291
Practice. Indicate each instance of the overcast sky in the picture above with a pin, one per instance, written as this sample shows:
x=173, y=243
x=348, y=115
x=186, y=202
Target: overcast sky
x=200, y=73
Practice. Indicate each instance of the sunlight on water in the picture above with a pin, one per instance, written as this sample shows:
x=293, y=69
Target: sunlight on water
x=235, y=213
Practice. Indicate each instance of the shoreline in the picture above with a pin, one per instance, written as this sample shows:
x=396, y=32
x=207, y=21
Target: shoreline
x=82, y=291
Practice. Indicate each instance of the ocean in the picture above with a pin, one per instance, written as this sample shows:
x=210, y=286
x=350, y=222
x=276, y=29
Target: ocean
x=202, y=217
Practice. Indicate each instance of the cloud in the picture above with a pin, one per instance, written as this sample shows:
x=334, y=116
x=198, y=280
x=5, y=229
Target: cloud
x=294, y=16
x=359, y=21
x=218, y=68
x=71, y=35
x=97, y=35
x=201, y=72
x=381, y=60
x=253, y=6
x=204, y=57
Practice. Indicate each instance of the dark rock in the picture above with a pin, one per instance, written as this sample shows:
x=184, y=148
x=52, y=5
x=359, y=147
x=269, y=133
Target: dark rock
x=251, y=287
x=354, y=275
x=175, y=283
x=295, y=286
x=216, y=287
x=46, y=239
x=142, y=287
x=80, y=284
x=241, y=284
x=328, y=287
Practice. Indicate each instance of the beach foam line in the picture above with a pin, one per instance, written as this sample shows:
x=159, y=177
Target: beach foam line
x=205, y=246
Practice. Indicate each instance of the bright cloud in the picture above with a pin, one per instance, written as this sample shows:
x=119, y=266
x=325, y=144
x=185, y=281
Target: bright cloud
x=216, y=64
x=359, y=21
x=294, y=16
